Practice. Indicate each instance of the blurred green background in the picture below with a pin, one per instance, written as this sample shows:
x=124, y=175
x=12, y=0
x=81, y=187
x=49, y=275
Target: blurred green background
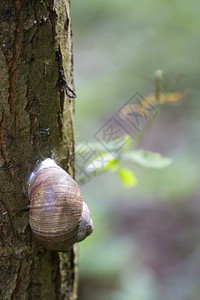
x=146, y=239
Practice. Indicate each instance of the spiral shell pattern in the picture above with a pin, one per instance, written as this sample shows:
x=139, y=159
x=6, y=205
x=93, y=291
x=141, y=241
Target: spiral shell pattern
x=55, y=206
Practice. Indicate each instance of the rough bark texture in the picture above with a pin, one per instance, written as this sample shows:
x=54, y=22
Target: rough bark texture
x=36, y=121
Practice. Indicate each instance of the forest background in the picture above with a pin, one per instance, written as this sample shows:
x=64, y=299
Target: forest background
x=145, y=244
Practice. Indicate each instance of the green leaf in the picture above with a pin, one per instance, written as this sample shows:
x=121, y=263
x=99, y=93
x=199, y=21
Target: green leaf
x=112, y=165
x=127, y=177
x=146, y=159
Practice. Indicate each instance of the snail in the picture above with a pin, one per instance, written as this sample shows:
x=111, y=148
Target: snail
x=58, y=216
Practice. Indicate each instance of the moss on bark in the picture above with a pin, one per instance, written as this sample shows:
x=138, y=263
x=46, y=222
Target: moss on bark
x=36, y=121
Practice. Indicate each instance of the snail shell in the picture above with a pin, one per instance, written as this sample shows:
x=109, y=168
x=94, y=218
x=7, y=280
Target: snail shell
x=58, y=216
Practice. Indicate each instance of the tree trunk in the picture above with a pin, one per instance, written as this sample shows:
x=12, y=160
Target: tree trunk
x=36, y=121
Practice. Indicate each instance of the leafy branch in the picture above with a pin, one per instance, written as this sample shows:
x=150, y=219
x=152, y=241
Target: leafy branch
x=111, y=159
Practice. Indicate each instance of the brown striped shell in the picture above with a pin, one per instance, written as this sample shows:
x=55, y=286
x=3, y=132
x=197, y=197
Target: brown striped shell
x=56, y=214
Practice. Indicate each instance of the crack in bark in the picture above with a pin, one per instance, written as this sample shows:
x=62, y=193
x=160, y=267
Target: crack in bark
x=15, y=294
x=13, y=70
x=9, y=216
x=32, y=115
x=2, y=225
x=52, y=18
x=68, y=268
x=4, y=150
x=61, y=95
x=69, y=92
x=56, y=275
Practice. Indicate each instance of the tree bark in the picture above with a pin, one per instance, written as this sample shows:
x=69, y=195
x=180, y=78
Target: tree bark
x=36, y=121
